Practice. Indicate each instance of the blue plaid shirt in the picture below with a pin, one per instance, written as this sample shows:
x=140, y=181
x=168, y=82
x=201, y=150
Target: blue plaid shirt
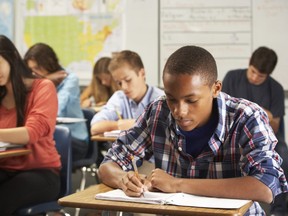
x=242, y=145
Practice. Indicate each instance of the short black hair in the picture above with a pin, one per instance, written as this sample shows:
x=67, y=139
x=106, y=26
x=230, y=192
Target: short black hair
x=192, y=60
x=264, y=60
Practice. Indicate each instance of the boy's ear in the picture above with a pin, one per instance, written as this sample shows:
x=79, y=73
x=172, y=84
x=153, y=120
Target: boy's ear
x=142, y=72
x=217, y=87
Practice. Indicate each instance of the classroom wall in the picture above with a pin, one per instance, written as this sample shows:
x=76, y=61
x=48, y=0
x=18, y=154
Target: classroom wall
x=141, y=27
x=230, y=30
x=142, y=34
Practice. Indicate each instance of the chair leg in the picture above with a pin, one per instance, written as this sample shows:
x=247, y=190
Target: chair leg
x=119, y=213
x=82, y=186
x=77, y=211
x=83, y=180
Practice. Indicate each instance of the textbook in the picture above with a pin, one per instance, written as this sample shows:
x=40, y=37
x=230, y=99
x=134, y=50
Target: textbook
x=113, y=133
x=179, y=199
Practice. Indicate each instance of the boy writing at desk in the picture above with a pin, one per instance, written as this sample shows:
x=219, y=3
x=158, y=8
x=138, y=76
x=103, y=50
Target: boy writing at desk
x=204, y=142
x=125, y=105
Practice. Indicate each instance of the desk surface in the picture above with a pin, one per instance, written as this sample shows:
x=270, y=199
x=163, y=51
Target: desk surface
x=103, y=138
x=86, y=199
x=14, y=152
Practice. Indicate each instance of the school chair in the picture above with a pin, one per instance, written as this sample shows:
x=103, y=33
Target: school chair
x=87, y=164
x=62, y=137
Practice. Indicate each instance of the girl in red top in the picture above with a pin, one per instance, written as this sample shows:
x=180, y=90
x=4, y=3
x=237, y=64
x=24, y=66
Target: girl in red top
x=28, y=109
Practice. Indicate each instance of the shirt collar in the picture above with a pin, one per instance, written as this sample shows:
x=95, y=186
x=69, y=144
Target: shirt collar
x=146, y=99
x=220, y=129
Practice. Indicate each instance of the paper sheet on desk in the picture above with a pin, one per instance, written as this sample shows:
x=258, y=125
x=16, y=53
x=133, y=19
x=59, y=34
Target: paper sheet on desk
x=67, y=120
x=180, y=199
x=113, y=133
x=4, y=146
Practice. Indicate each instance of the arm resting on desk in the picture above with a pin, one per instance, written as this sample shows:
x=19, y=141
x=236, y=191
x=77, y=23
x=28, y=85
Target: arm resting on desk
x=103, y=126
x=246, y=187
x=17, y=135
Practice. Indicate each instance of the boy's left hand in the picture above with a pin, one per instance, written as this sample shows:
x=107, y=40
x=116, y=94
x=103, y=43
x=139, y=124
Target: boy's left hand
x=159, y=180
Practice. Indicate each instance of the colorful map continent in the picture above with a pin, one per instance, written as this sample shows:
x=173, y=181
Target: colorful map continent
x=72, y=38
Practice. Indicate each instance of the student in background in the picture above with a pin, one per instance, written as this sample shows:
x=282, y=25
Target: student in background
x=255, y=84
x=127, y=104
x=101, y=87
x=28, y=120
x=204, y=142
x=43, y=61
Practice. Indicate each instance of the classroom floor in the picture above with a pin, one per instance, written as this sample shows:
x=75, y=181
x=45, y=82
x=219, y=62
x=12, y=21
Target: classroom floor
x=91, y=212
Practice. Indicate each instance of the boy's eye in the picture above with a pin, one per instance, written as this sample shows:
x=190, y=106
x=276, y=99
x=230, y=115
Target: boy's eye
x=191, y=101
x=170, y=99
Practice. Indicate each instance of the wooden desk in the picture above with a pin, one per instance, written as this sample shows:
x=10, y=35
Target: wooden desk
x=86, y=199
x=103, y=138
x=14, y=152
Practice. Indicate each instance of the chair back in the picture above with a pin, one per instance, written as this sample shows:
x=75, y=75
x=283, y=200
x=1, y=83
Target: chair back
x=88, y=115
x=62, y=137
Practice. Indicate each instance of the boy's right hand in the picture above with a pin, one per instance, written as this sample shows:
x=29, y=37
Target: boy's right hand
x=132, y=185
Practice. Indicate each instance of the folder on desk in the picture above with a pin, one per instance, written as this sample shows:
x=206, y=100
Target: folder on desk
x=180, y=199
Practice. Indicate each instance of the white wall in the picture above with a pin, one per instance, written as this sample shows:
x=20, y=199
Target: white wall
x=142, y=34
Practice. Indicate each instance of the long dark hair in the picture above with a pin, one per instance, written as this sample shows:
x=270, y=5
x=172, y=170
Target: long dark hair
x=18, y=71
x=44, y=56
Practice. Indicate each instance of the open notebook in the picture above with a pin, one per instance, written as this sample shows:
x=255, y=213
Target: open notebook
x=180, y=199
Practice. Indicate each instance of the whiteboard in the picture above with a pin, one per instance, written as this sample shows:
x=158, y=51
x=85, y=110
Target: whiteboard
x=229, y=30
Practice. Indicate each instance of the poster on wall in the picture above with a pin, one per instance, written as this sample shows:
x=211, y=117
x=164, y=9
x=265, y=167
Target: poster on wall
x=7, y=18
x=80, y=31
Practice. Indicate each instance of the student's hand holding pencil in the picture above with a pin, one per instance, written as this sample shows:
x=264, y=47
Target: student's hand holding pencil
x=133, y=183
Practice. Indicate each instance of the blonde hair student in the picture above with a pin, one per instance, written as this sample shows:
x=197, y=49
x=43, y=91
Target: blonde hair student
x=126, y=104
x=102, y=85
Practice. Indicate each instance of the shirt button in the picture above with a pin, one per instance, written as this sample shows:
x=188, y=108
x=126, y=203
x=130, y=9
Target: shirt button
x=179, y=149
